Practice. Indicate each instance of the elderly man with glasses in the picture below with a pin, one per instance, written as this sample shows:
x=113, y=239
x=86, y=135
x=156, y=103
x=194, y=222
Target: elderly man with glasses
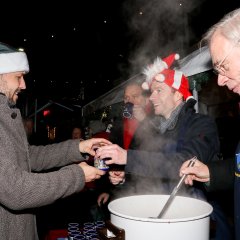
x=224, y=43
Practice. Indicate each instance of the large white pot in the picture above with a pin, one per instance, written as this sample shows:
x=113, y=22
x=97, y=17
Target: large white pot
x=186, y=218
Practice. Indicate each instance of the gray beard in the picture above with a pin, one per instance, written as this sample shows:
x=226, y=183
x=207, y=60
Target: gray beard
x=11, y=103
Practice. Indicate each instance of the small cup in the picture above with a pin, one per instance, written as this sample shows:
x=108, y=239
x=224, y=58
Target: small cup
x=100, y=163
x=88, y=224
x=87, y=229
x=74, y=233
x=73, y=229
x=79, y=237
x=128, y=110
x=73, y=224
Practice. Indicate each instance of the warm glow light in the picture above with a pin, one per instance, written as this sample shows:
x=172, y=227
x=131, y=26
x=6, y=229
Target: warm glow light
x=105, y=21
x=46, y=113
x=140, y=13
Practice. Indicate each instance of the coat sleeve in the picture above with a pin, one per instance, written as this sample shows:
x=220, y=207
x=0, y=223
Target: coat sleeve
x=21, y=189
x=221, y=175
x=54, y=155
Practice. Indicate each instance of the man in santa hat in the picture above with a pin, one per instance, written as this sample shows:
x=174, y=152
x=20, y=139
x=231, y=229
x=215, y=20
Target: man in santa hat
x=174, y=134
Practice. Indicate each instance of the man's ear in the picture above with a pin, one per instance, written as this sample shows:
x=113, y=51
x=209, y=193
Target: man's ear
x=178, y=96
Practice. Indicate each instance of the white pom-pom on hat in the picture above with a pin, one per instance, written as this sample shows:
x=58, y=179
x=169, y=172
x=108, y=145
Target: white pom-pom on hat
x=170, y=59
x=177, y=56
x=145, y=86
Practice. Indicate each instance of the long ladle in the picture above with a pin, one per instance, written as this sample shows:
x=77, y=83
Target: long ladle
x=175, y=190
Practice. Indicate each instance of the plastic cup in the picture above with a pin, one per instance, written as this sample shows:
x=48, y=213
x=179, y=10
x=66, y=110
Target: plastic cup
x=79, y=237
x=99, y=224
x=73, y=224
x=73, y=229
x=88, y=224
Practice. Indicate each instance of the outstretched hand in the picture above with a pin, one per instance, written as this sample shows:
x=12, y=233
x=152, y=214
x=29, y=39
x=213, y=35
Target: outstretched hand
x=91, y=173
x=87, y=146
x=113, y=154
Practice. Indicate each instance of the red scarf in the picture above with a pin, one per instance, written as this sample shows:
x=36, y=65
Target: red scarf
x=129, y=128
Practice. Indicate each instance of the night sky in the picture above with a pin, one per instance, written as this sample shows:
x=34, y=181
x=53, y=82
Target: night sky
x=79, y=50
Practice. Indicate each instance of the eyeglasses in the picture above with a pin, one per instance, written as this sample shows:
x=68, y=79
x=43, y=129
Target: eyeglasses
x=219, y=67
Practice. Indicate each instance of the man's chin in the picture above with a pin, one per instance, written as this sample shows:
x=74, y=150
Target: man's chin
x=236, y=90
x=15, y=98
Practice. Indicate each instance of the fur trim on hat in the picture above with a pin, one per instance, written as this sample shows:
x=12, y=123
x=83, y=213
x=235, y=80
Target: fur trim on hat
x=152, y=70
x=12, y=60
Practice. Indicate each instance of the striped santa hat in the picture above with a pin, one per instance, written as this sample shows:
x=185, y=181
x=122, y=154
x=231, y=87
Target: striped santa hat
x=160, y=71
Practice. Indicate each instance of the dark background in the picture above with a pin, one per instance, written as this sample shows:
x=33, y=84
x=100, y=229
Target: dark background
x=78, y=50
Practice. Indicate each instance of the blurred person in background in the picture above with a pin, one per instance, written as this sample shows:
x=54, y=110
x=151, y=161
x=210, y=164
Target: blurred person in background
x=174, y=134
x=135, y=109
x=223, y=40
x=124, y=128
x=77, y=133
x=23, y=186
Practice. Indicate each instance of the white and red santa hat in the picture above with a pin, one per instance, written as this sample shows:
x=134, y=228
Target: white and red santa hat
x=12, y=60
x=160, y=71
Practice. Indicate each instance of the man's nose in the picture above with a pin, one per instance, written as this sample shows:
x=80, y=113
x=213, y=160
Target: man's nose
x=22, y=84
x=222, y=80
x=151, y=96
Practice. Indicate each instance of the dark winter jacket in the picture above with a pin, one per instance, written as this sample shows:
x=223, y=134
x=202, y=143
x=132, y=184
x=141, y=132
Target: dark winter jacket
x=162, y=155
x=221, y=175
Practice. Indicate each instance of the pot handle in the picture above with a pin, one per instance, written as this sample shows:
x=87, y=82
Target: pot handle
x=118, y=232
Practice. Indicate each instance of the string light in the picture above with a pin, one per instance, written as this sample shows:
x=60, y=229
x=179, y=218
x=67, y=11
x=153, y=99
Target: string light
x=51, y=133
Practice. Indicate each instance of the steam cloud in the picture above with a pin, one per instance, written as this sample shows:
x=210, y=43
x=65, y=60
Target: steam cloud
x=158, y=27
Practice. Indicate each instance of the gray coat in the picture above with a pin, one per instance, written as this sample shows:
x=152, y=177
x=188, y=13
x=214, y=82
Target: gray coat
x=22, y=187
